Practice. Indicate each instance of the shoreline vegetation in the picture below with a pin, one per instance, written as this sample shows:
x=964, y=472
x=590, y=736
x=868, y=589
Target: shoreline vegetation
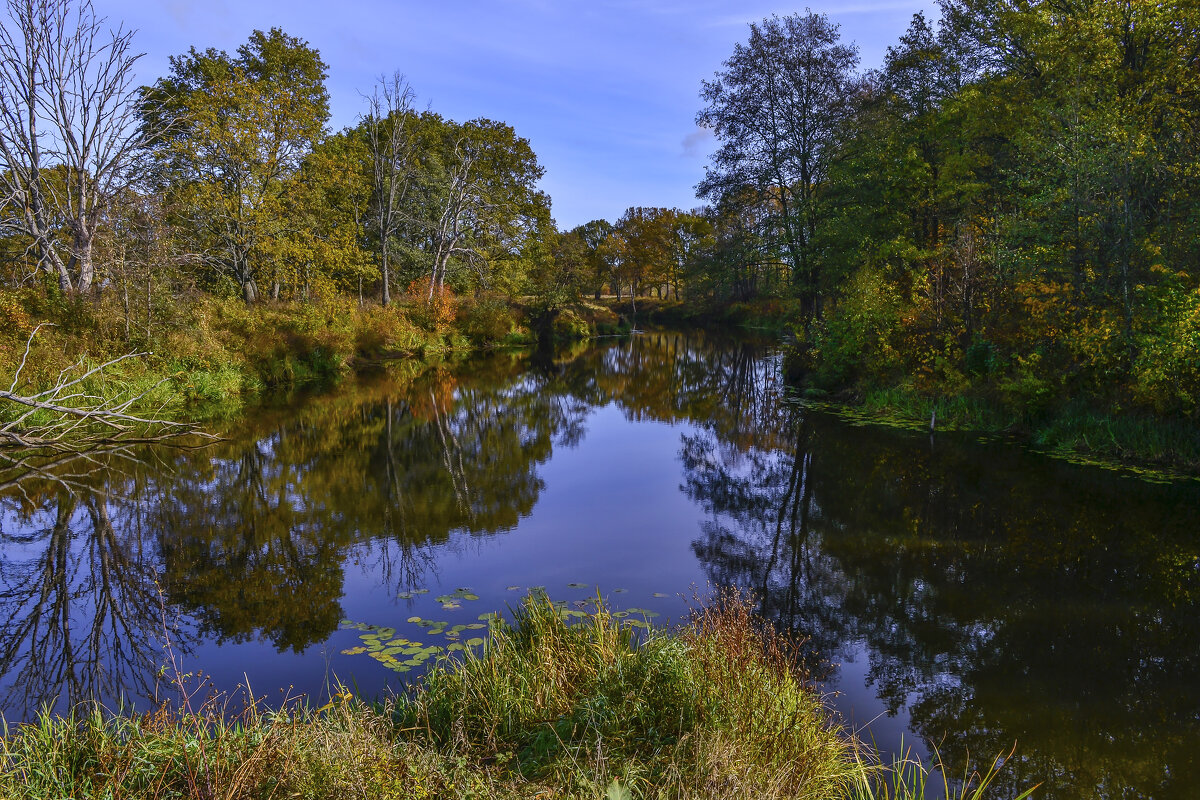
x=1157, y=447
x=218, y=358
x=556, y=704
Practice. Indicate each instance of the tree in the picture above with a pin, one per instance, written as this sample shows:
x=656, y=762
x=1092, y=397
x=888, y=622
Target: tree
x=67, y=132
x=592, y=236
x=389, y=138
x=231, y=132
x=478, y=205
x=648, y=257
x=776, y=108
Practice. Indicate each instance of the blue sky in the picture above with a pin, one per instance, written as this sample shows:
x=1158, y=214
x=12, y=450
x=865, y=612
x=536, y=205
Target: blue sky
x=605, y=91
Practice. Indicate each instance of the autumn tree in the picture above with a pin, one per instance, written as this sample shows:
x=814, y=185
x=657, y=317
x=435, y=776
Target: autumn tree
x=232, y=132
x=646, y=239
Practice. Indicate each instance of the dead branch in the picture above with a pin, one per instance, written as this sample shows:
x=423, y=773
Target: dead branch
x=65, y=417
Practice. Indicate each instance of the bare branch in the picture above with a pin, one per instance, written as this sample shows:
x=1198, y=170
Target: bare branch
x=89, y=419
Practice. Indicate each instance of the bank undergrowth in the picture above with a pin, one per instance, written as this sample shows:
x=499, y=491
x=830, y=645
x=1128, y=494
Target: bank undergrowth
x=550, y=707
x=208, y=357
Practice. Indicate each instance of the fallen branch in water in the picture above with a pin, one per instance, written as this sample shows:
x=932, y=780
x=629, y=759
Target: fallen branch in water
x=77, y=418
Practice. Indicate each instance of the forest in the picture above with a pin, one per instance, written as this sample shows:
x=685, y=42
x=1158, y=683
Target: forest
x=1002, y=221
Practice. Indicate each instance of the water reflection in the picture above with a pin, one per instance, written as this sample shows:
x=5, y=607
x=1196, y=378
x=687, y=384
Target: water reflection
x=999, y=597
x=82, y=612
x=995, y=596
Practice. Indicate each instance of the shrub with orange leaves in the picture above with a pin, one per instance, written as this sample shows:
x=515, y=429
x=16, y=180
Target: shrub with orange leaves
x=438, y=308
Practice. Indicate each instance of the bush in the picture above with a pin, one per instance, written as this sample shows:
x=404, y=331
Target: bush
x=486, y=318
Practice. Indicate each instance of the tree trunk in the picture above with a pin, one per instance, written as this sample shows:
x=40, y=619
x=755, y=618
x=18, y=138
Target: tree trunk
x=83, y=263
x=386, y=292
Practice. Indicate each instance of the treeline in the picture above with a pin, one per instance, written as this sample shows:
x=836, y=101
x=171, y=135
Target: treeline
x=214, y=218
x=1009, y=206
x=223, y=175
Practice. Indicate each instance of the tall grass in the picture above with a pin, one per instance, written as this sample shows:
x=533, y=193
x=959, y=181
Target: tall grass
x=554, y=705
x=906, y=778
x=715, y=711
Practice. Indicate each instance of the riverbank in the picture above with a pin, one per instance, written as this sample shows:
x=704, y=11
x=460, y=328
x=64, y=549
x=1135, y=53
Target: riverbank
x=559, y=704
x=1143, y=445
x=1132, y=439
x=208, y=358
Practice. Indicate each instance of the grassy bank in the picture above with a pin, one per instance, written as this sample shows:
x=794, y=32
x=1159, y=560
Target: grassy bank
x=208, y=357
x=1157, y=447
x=551, y=706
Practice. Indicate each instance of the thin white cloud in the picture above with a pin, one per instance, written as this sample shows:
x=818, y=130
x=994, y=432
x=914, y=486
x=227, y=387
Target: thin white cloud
x=695, y=143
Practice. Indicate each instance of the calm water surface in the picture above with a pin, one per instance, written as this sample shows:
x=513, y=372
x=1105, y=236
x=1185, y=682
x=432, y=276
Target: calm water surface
x=955, y=595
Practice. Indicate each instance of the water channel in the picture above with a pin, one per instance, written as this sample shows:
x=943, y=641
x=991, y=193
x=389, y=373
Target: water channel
x=954, y=594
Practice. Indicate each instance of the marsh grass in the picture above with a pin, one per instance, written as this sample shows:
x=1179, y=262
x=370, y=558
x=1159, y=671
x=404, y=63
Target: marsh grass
x=906, y=778
x=555, y=704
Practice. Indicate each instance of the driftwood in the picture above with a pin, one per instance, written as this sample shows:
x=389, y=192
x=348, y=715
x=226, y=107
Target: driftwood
x=78, y=419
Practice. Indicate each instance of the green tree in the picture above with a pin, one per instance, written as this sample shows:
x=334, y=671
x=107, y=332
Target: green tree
x=476, y=211
x=776, y=108
x=232, y=132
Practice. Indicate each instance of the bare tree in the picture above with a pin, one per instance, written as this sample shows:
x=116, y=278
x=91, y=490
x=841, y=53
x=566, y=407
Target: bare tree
x=68, y=109
x=458, y=207
x=391, y=163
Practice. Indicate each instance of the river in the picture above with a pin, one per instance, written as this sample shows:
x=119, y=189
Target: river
x=954, y=594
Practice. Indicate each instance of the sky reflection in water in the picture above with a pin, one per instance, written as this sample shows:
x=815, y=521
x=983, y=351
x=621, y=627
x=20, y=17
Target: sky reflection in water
x=975, y=595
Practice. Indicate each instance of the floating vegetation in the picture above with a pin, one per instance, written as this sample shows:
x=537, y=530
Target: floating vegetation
x=402, y=654
x=409, y=595
x=452, y=600
x=394, y=652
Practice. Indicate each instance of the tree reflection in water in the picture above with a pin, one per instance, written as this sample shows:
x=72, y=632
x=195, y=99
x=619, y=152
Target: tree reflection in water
x=82, y=613
x=998, y=596
x=1001, y=597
